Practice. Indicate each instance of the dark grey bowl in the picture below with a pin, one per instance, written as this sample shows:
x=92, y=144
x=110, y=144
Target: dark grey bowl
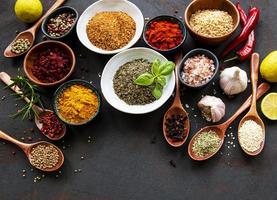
x=195, y=52
x=59, y=91
x=55, y=13
x=167, y=18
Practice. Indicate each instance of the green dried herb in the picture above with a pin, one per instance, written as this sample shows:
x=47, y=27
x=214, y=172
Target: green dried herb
x=27, y=90
x=127, y=90
x=206, y=143
x=156, y=80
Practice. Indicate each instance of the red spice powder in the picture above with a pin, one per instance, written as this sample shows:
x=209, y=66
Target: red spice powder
x=51, y=65
x=52, y=126
x=164, y=35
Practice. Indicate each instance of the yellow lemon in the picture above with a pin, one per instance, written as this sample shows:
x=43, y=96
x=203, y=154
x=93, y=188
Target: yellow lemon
x=269, y=106
x=28, y=10
x=269, y=67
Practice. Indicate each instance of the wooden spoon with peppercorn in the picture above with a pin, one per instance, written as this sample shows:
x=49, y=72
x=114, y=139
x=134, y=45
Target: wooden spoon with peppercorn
x=44, y=118
x=220, y=130
x=47, y=155
x=25, y=40
x=176, y=124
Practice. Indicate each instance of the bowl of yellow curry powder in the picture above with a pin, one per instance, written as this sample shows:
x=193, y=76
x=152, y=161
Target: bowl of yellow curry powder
x=77, y=102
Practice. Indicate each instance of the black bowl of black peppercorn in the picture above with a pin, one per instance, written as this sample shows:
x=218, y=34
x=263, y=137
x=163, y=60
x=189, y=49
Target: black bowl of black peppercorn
x=60, y=23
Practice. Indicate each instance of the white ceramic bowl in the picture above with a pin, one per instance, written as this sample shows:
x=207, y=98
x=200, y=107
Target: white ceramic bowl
x=109, y=5
x=113, y=65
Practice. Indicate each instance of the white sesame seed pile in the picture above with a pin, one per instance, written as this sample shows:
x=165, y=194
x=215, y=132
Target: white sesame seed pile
x=250, y=135
x=211, y=23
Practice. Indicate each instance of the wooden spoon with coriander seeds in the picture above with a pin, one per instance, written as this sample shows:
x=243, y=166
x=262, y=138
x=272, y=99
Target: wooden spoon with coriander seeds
x=39, y=112
x=42, y=155
x=252, y=113
x=30, y=34
x=176, y=116
x=220, y=129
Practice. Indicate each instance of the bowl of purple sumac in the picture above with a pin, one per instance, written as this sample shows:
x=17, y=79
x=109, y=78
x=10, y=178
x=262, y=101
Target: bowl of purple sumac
x=60, y=23
x=49, y=63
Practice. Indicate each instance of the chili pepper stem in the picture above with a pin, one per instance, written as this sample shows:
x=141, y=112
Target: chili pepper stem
x=231, y=59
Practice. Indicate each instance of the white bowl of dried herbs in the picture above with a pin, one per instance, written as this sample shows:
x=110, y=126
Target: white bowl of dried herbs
x=138, y=80
x=109, y=27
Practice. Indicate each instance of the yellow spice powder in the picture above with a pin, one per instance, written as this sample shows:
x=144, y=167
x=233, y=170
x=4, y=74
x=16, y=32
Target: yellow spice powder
x=77, y=104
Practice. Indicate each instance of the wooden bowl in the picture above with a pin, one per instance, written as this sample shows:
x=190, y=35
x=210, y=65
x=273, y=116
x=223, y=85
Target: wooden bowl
x=33, y=53
x=224, y=5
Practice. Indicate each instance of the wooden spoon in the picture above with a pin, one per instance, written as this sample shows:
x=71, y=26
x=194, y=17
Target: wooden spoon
x=220, y=129
x=252, y=113
x=176, y=109
x=38, y=110
x=28, y=147
x=30, y=33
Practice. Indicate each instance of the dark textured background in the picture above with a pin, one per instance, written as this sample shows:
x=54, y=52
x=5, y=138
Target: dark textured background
x=120, y=162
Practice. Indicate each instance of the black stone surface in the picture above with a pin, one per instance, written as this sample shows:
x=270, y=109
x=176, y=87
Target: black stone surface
x=128, y=157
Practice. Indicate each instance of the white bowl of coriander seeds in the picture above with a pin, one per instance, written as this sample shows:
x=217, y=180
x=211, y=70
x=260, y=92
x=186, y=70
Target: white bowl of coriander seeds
x=109, y=27
x=117, y=81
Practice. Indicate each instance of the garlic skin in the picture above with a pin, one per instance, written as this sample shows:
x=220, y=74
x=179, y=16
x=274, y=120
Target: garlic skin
x=212, y=108
x=233, y=80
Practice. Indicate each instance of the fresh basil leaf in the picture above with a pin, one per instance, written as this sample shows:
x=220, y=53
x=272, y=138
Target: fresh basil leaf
x=157, y=91
x=155, y=67
x=166, y=68
x=161, y=80
x=145, y=79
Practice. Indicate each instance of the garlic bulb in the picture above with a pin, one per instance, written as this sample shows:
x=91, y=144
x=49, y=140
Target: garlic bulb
x=233, y=80
x=212, y=108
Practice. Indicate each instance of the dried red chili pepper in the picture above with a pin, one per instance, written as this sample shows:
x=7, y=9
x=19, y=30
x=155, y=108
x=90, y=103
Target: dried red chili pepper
x=248, y=48
x=252, y=21
x=164, y=35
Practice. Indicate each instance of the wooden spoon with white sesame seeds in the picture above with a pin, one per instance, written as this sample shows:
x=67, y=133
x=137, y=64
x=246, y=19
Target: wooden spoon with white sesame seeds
x=252, y=113
x=28, y=150
x=220, y=129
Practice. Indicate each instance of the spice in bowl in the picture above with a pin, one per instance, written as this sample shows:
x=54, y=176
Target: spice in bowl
x=198, y=70
x=44, y=156
x=59, y=25
x=211, y=22
x=164, y=35
x=77, y=104
x=111, y=30
x=175, y=127
x=251, y=136
x=51, y=126
x=206, y=143
x=126, y=89
x=51, y=65
x=20, y=46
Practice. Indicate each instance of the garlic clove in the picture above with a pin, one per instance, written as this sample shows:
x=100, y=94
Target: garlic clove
x=212, y=108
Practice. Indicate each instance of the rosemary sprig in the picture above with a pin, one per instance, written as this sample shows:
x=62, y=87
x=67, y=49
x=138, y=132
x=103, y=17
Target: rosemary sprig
x=27, y=90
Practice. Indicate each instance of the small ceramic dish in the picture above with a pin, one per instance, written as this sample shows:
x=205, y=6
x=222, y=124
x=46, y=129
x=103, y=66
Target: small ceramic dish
x=107, y=5
x=224, y=5
x=115, y=63
x=170, y=19
x=64, y=86
x=33, y=53
x=61, y=10
x=193, y=53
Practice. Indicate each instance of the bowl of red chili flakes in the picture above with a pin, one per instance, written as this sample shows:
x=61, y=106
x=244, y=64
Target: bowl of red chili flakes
x=49, y=63
x=164, y=33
